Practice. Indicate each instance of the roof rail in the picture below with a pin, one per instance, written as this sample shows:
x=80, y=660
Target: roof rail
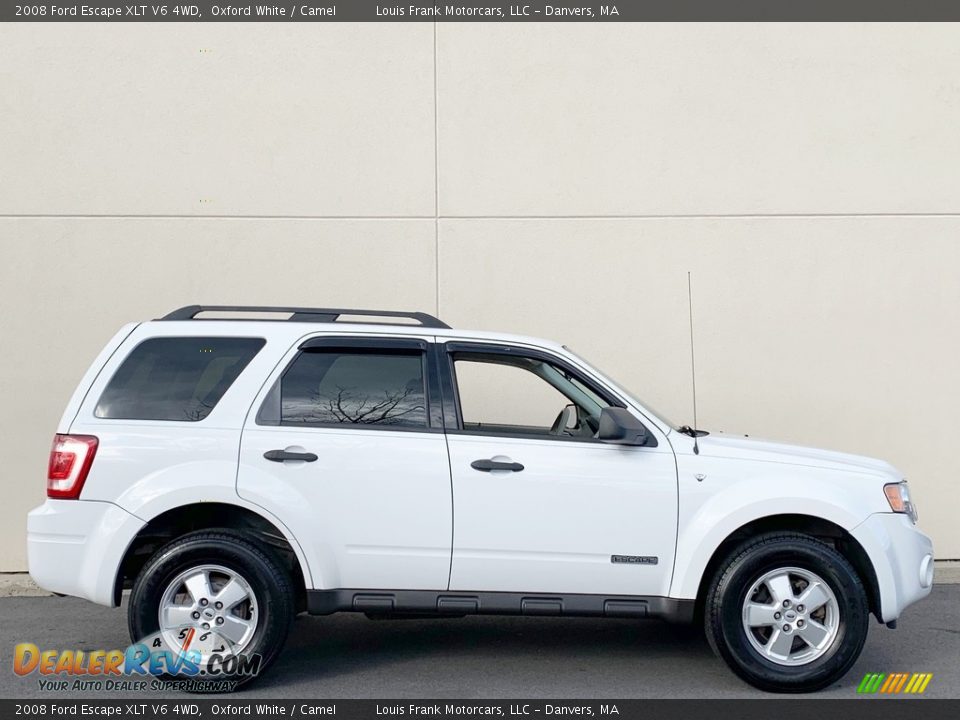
x=302, y=314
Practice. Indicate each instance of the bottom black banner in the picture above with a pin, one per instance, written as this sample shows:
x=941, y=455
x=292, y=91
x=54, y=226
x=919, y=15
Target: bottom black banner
x=782, y=708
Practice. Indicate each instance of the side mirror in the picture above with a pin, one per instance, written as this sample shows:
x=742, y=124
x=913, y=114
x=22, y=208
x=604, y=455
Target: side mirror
x=619, y=427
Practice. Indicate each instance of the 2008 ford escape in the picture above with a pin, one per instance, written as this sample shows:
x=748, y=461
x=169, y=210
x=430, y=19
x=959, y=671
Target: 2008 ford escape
x=235, y=471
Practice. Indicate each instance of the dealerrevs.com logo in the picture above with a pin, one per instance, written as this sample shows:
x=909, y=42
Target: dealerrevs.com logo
x=150, y=664
x=894, y=683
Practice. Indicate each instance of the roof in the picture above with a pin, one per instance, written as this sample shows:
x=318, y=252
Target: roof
x=301, y=320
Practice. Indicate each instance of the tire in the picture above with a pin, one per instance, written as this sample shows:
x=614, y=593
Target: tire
x=753, y=640
x=219, y=556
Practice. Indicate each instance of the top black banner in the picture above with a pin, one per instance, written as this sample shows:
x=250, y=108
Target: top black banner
x=478, y=11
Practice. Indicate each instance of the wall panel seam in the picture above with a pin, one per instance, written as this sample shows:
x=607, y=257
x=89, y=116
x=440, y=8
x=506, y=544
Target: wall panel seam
x=436, y=175
x=438, y=216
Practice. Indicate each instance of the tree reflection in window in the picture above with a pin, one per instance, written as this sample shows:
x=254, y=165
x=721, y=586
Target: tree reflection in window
x=355, y=388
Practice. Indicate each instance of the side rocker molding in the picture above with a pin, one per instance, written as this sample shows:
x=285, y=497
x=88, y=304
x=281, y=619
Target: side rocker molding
x=446, y=603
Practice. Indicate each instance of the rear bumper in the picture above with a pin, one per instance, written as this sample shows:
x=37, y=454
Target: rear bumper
x=75, y=547
x=902, y=558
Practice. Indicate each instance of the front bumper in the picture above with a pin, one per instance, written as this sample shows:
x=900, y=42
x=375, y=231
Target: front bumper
x=75, y=547
x=902, y=558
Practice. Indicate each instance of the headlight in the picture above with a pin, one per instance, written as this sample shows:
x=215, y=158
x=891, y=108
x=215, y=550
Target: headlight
x=898, y=495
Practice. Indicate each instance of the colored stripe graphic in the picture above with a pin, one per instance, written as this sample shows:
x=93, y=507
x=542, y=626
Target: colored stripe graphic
x=870, y=683
x=919, y=684
x=894, y=683
x=903, y=680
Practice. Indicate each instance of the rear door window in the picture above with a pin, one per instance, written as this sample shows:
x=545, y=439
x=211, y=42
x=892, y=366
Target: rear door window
x=176, y=378
x=355, y=388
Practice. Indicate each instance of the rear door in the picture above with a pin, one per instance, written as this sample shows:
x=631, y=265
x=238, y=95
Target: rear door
x=345, y=444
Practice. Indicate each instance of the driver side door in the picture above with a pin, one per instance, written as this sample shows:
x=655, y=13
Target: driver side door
x=540, y=505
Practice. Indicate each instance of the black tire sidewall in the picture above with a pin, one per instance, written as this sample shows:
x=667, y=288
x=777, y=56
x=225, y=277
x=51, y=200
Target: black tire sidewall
x=730, y=638
x=256, y=564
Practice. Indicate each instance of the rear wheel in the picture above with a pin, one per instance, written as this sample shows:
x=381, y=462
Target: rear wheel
x=215, y=593
x=787, y=613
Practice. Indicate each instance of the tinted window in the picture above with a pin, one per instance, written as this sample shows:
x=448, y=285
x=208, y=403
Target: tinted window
x=176, y=378
x=354, y=388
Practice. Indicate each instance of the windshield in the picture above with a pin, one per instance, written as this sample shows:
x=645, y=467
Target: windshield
x=631, y=395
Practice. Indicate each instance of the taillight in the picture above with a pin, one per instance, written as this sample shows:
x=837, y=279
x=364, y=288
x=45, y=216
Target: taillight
x=70, y=459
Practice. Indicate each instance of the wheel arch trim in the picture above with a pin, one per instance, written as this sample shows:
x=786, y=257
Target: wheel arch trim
x=155, y=511
x=693, y=571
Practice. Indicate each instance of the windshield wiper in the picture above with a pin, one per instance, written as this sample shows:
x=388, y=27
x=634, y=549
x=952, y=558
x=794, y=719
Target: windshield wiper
x=687, y=430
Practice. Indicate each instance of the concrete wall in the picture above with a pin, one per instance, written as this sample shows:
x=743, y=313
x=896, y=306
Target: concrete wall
x=557, y=180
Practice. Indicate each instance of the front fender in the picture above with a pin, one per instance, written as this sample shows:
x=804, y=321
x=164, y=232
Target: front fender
x=730, y=497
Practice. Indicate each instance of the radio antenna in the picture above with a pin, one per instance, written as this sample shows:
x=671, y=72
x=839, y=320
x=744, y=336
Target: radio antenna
x=693, y=365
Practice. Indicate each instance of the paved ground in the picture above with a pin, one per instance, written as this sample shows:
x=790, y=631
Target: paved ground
x=349, y=656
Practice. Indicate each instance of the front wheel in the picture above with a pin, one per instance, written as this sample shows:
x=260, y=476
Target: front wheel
x=787, y=613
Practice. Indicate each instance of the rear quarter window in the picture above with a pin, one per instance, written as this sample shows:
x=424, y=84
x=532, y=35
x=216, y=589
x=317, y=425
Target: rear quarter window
x=175, y=378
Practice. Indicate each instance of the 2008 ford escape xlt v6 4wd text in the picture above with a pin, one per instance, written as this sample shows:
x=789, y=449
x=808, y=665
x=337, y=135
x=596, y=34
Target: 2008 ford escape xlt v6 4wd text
x=235, y=471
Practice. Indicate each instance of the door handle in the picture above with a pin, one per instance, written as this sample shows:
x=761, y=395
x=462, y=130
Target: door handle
x=488, y=465
x=281, y=455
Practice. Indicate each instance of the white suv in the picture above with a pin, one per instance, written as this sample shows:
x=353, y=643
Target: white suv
x=236, y=470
